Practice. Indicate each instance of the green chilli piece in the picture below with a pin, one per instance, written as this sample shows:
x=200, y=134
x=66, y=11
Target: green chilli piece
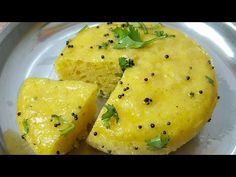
x=68, y=129
x=26, y=126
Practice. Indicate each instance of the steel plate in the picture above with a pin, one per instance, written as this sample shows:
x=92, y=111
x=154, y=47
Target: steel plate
x=30, y=49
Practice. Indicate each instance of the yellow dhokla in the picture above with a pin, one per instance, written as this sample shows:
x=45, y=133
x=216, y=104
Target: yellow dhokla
x=161, y=102
x=52, y=114
x=90, y=56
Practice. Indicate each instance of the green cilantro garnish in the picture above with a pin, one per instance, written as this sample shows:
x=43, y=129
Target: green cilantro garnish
x=158, y=142
x=125, y=63
x=134, y=34
x=158, y=26
x=162, y=34
x=139, y=25
x=143, y=26
x=130, y=38
x=135, y=24
x=111, y=112
x=68, y=129
x=120, y=32
x=26, y=126
x=210, y=80
x=127, y=42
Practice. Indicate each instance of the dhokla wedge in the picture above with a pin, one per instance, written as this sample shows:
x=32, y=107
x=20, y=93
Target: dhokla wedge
x=52, y=114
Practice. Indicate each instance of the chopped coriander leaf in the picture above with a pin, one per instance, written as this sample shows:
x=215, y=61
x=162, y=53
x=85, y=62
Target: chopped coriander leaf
x=85, y=27
x=68, y=129
x=120, y=32
x=158, y=142
x=134, y=34
x=127, y=42
x=162, y=34
x=158, y=26
x=125, y=63
x=111, y=112
x=139, y=25
x=210, y=80
x=131, y=38
x=143, y=26
x=135, y=24
x=26, y=126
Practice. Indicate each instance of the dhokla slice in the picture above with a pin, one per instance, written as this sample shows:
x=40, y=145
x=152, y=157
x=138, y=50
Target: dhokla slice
x=52, y=114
